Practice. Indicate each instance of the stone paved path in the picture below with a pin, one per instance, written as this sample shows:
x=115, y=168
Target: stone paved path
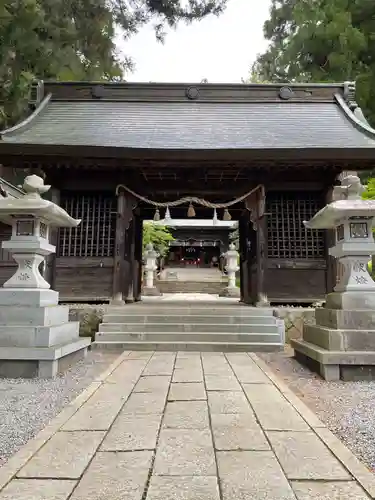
x=186, y=426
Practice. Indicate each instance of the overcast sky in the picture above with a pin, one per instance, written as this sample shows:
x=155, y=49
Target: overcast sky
x=220, y=49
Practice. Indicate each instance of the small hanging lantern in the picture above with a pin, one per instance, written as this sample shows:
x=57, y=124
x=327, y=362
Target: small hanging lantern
x=157, y=215
x=227, y=216
x=214, y=219
x=167, y=215
x=191, y=211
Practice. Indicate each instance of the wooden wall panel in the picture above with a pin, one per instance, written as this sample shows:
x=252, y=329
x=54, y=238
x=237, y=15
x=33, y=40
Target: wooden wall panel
x=84, y=279
x=7, y=264
x=295, y=285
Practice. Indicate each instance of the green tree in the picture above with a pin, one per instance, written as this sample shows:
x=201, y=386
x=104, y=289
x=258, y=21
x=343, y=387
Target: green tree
x=369, y=194
x=159, y=236
x=322, y=41
x=74, y=40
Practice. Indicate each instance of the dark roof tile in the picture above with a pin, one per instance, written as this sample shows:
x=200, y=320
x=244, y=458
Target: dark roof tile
x=192, y=125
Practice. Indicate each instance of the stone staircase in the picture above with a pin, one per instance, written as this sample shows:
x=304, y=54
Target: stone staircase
x=197, y=326
x=213, y=287
x=191, y=280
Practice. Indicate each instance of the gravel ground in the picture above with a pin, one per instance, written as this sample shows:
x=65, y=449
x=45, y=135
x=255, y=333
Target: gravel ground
x=347, y=408
x=27, y=405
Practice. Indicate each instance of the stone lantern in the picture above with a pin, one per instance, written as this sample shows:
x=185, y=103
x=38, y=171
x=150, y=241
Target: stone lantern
x=342, y=343
x=231, y=266
x=36, y=337
x=150, y=257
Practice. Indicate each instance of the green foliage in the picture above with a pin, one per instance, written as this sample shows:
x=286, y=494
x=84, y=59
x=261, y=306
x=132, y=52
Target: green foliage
x=159, y=236
x=322, y=41
x=74, y=40
x=234, y=237
x=369, y=194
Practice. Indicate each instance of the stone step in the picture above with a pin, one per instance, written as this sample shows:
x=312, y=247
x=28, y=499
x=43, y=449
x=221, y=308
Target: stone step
x=186, y=327
x=226, y=337
x=165, y=309
x=214, y=287
x=190, y=346
x=192, y=318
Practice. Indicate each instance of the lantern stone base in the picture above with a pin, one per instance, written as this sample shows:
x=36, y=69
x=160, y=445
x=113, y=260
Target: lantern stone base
x=41, y=362
x=36, y=337
x=351, y=300
x=336, y=365
x=342, y=343
x=233, y=292
x=151, y=291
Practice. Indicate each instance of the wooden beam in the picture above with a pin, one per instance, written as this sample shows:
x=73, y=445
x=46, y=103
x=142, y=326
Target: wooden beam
x=130, y=258
x=330, y=238
x=50, y=269
x=138, y=229
x=117, y=295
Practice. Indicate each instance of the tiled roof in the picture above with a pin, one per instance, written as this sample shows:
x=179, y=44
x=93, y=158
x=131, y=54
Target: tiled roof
x=197, y=125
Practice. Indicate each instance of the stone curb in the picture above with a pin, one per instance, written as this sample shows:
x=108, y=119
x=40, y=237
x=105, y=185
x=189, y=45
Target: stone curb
x=357, y=469
x=22, y=456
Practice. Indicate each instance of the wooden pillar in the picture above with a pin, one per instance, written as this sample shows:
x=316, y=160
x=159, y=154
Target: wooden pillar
x=245, y=258
x=129, y=257
x=50, y=266
x=331, y=263
x=117, y=294
x=137, y=279
x=258, y=256
x=261, y=260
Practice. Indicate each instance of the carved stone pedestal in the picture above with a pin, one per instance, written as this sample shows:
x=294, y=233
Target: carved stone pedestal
x=36, y=337
x=342, y=343
x=149, y=289
x=231, y=266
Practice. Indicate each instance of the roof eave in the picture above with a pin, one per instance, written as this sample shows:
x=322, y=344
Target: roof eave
x=360, y=125
x=27, y=122
x=113, y=152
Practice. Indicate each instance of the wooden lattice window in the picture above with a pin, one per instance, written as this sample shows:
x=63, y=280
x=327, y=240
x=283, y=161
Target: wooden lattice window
x=5, y=234
x=95, y=236
x=287, y=236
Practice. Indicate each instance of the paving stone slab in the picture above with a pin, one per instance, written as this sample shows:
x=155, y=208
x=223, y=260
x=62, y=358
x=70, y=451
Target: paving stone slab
x=247, y=371
x=188, y=355
x=186, y=375
x=133, y=432
x=37, y=489
x=115, y=476
x=145, y=402
x=303, y=456
x=128, y=372
x=219, y=368
x=100, y=410
x=153, y=384
x=188, y=364
x=159, y=367
x=185, y=452
x=228, y=402
x=252, y=475
x=65, y=455
x=339, y=490
x=140, y=355
x=183, y=488
x=273, y=411
x=187, y=392
x=221, y=383
x=186, y=415
x=237, y=432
